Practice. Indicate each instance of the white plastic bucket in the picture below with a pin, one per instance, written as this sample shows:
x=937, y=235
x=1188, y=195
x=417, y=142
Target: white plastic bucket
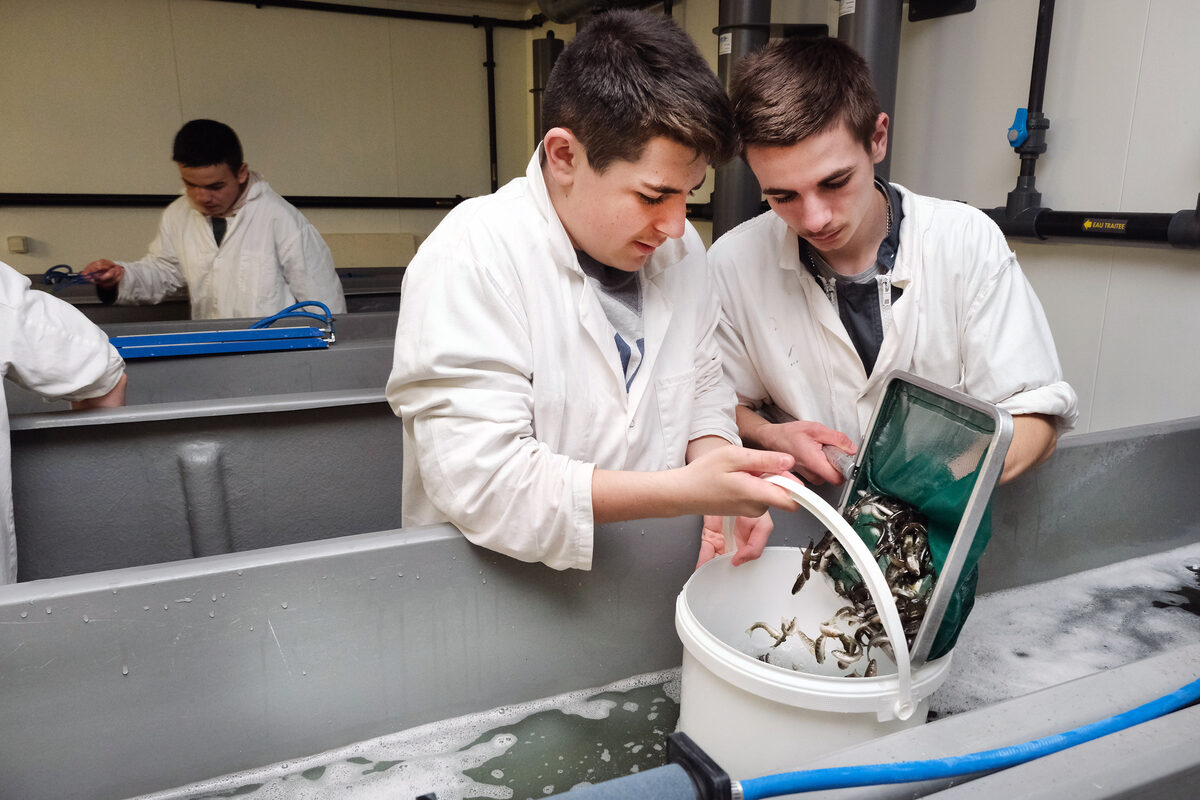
x=755, y=718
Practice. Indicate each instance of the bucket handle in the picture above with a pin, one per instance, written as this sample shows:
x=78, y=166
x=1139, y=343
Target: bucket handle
x=876, y=583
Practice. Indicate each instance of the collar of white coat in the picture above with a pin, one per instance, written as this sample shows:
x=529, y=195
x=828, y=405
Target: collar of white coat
x=670, y=252
x=255, y=186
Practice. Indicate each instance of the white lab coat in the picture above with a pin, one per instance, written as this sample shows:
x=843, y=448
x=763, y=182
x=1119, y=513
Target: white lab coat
x=48, y=347
x=968, y=319
x=509, y=383
x=270, y=258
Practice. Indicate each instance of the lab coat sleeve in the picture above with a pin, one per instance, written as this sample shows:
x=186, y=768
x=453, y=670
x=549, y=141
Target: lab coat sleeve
x=713, y=413
x=158, y=274
x=308, y=268
x=739, y=367
x=462, y=382
x=50, y=347
x=1008, y=349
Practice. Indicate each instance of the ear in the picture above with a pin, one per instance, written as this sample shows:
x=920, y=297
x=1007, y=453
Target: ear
x=243, y=173
x=879, y=138
x=564, y=155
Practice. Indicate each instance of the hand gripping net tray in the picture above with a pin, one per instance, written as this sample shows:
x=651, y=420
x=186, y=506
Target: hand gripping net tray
x=941, y=452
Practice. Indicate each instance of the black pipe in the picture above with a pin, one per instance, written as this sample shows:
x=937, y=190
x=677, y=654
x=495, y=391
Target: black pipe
x=536, y=21
x=1024, y=216
x=490, y=65
x=743, y=27
x=1025, y=197
x=1181, y=229
x=159, y=200
x=545, y=52
x=1041, y=54
x=873, y=29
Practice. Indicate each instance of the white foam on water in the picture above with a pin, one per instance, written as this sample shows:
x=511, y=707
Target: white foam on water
x=429, y=758
x=1020, y=640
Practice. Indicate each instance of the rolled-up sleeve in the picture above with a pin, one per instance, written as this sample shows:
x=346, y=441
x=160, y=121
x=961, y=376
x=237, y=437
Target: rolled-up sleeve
x=1009, y=356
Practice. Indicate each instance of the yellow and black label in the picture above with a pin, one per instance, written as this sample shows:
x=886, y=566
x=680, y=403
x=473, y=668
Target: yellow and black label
x=1095, y=225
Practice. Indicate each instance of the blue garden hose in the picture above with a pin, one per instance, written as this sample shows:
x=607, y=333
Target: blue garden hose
x=295, y=311
x=986, y=760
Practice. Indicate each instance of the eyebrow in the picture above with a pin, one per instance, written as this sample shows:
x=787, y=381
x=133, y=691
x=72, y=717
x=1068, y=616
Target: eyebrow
x=663, y=189
x=212, y=185
x=836, y=175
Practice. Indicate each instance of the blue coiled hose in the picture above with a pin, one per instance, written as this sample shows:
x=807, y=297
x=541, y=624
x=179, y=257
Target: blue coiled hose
x=296, y=310
x=61, y=275
x=986, y=760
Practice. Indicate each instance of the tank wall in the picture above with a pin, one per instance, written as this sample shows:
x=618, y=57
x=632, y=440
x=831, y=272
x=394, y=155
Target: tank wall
x=149, y=677
x=126, y=487
x=136, y=680
x=1101, y=498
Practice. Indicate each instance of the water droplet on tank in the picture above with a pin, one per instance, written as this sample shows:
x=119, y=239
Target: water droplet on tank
x=212, y=615
x=85, y=619
x=49, y=610
x=124, y=670
x=283, y=605
x=24, y=614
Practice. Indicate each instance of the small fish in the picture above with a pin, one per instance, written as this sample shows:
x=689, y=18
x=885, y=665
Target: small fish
x=830, y=631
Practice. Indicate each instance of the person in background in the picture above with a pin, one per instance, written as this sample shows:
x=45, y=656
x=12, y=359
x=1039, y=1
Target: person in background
x=237, y=247
x=49, y=347
x=555, y=363
x=848, y=277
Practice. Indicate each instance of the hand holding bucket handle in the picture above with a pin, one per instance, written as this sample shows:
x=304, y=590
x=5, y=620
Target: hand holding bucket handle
x=876, y=583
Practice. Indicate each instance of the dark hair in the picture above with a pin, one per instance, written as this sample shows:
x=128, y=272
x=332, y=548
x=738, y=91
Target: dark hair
x=204, y=142
x=796, y=88
x=629, y=76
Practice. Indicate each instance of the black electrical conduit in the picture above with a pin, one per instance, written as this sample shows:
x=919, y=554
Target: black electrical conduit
x=43, y=199
x=474, y=20
x=1024, y=215
x=159, y=200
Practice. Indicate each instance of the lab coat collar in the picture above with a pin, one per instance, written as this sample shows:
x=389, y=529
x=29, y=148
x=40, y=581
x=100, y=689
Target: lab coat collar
x=254, y=190
x=907, y=256
x=670, y=252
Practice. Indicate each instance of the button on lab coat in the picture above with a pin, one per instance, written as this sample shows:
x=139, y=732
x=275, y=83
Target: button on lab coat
x=508, y=380
x=967, y=319
x=48, y=347
x=270, y=257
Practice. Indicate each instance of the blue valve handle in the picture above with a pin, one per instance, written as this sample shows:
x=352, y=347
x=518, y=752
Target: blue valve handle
x=1019, y=131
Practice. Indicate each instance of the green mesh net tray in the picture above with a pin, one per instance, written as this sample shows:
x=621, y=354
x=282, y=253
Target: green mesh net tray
x=940, y=452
